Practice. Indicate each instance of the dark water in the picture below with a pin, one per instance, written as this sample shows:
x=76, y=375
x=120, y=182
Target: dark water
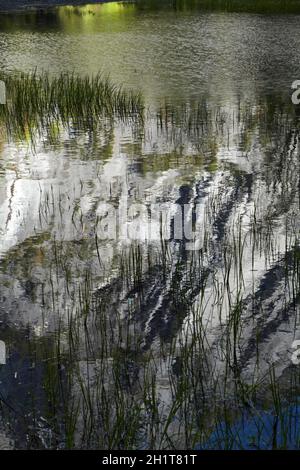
x=220, y=133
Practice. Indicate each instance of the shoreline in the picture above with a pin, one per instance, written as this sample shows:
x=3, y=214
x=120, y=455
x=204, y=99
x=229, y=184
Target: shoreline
x=10, y=6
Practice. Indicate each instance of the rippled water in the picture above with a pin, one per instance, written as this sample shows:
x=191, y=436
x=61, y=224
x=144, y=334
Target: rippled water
x=164, y=53
x=220, y=133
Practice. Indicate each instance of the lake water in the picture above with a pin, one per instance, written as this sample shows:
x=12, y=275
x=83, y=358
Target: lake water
x=221, y=136
x=167, y=53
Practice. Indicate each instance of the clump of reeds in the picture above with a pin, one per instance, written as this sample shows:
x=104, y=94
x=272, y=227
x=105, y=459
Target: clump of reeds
x=36, y=102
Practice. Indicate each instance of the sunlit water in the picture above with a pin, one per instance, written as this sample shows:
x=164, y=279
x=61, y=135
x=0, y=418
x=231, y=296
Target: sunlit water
x=241, y=172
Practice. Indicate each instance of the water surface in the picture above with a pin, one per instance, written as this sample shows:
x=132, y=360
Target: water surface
x=220, y=133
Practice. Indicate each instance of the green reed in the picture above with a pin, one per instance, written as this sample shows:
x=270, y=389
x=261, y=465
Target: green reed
x=39, y=102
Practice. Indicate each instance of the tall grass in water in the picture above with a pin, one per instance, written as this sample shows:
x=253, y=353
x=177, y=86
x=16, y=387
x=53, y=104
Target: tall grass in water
x=133, y=362
x=36, y=102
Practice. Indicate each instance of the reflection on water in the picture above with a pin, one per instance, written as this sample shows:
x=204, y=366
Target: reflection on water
x=125, y=343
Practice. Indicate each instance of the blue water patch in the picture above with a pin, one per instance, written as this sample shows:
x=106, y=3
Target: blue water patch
x=261, y=429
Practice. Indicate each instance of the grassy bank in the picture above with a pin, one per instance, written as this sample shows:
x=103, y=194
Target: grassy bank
x=254, y=6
